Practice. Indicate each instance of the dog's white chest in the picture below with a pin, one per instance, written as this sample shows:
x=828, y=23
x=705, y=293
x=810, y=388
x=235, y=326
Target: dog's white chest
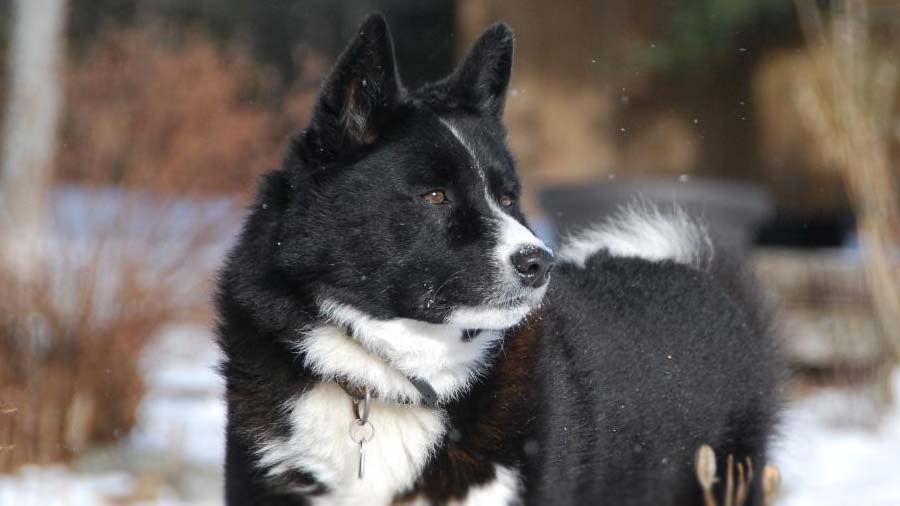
x=320, y=444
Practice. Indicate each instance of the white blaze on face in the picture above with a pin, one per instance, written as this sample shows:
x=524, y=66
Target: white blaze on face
x=512, y=236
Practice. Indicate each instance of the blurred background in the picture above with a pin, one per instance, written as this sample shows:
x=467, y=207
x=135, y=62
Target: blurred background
x=133, y=132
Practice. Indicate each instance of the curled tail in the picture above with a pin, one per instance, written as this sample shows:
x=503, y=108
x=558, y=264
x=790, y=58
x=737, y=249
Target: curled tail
x=643, y=230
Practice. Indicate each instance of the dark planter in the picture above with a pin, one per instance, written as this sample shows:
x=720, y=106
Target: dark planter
x=731, y=211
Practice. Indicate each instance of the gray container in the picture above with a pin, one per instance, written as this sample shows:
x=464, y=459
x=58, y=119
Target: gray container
x=731, y=211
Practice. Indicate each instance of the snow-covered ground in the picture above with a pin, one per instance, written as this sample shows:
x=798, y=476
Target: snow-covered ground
x=174, y=455
x=826, y=462
x=182, y=413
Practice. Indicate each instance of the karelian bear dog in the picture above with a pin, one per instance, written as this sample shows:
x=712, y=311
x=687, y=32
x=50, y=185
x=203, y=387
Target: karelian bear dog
x=394, y=333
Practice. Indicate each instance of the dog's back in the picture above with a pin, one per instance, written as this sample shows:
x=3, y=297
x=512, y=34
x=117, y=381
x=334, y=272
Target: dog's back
x=642, y=363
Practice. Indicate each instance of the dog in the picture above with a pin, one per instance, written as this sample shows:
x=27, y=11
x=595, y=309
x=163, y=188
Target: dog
x=394, y=333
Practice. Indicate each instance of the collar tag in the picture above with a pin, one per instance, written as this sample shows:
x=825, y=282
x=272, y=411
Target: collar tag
x=361, y=430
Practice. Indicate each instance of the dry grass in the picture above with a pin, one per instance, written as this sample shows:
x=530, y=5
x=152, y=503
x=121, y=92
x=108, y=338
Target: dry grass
x=68, y=376
x=738, y=479
x=71, y=336
x=851, y=101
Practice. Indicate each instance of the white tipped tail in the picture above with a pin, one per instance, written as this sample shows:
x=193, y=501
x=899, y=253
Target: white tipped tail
x=641, y=230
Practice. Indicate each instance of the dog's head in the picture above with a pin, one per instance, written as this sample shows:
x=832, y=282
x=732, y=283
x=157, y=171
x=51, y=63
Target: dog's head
x=405, y=204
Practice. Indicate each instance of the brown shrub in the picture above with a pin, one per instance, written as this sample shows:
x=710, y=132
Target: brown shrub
x=71, y=336
x=174, y=111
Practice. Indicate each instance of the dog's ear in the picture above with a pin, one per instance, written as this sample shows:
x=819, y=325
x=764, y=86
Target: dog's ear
x=357, y=96
x=481, y=80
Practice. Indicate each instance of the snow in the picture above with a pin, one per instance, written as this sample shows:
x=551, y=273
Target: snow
x=59, y=486
x=183, y=411
x=824, y=462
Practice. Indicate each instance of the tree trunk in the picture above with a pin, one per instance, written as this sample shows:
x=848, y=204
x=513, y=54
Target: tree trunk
x=32, y=112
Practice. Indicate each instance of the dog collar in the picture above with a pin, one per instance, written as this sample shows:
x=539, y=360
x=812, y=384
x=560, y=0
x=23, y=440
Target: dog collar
x=426, y=392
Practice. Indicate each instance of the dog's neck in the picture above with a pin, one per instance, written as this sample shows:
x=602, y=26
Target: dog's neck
x=427, y=395
x=388, y=357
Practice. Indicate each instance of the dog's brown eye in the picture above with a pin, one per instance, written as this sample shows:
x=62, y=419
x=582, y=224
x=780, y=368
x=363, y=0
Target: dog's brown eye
x=435, y=197
x=507, y=199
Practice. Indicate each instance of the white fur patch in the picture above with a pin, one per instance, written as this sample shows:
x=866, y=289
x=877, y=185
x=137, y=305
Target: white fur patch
x=405, y=436
x=505, y=490
x=380, y=350
x=377, y=355
x=642, y=230
x=493, y=318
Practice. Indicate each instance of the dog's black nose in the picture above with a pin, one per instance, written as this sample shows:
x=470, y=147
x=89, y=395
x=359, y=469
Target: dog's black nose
x=532, y=265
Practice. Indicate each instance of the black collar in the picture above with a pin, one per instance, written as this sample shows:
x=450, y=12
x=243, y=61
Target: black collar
x=427, y=393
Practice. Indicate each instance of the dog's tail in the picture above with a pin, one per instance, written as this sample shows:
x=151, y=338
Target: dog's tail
x=643, y=230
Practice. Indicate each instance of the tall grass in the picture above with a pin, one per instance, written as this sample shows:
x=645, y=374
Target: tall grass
x=851, y=102
x=736, y=480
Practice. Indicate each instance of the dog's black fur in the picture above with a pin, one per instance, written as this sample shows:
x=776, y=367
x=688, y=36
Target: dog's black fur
x=600, y=397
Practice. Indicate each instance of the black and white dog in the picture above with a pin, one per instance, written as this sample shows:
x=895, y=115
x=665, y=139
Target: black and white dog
x=394, y=333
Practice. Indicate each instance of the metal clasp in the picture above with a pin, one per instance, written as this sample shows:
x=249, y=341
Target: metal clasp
x=361, y=431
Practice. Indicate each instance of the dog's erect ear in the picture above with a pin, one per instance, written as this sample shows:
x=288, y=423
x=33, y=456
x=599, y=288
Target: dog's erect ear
x=481, y=80
x=356, y=98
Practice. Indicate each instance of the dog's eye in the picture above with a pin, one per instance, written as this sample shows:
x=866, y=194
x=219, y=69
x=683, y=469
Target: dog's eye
x=435, y=197
x=507, y=199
